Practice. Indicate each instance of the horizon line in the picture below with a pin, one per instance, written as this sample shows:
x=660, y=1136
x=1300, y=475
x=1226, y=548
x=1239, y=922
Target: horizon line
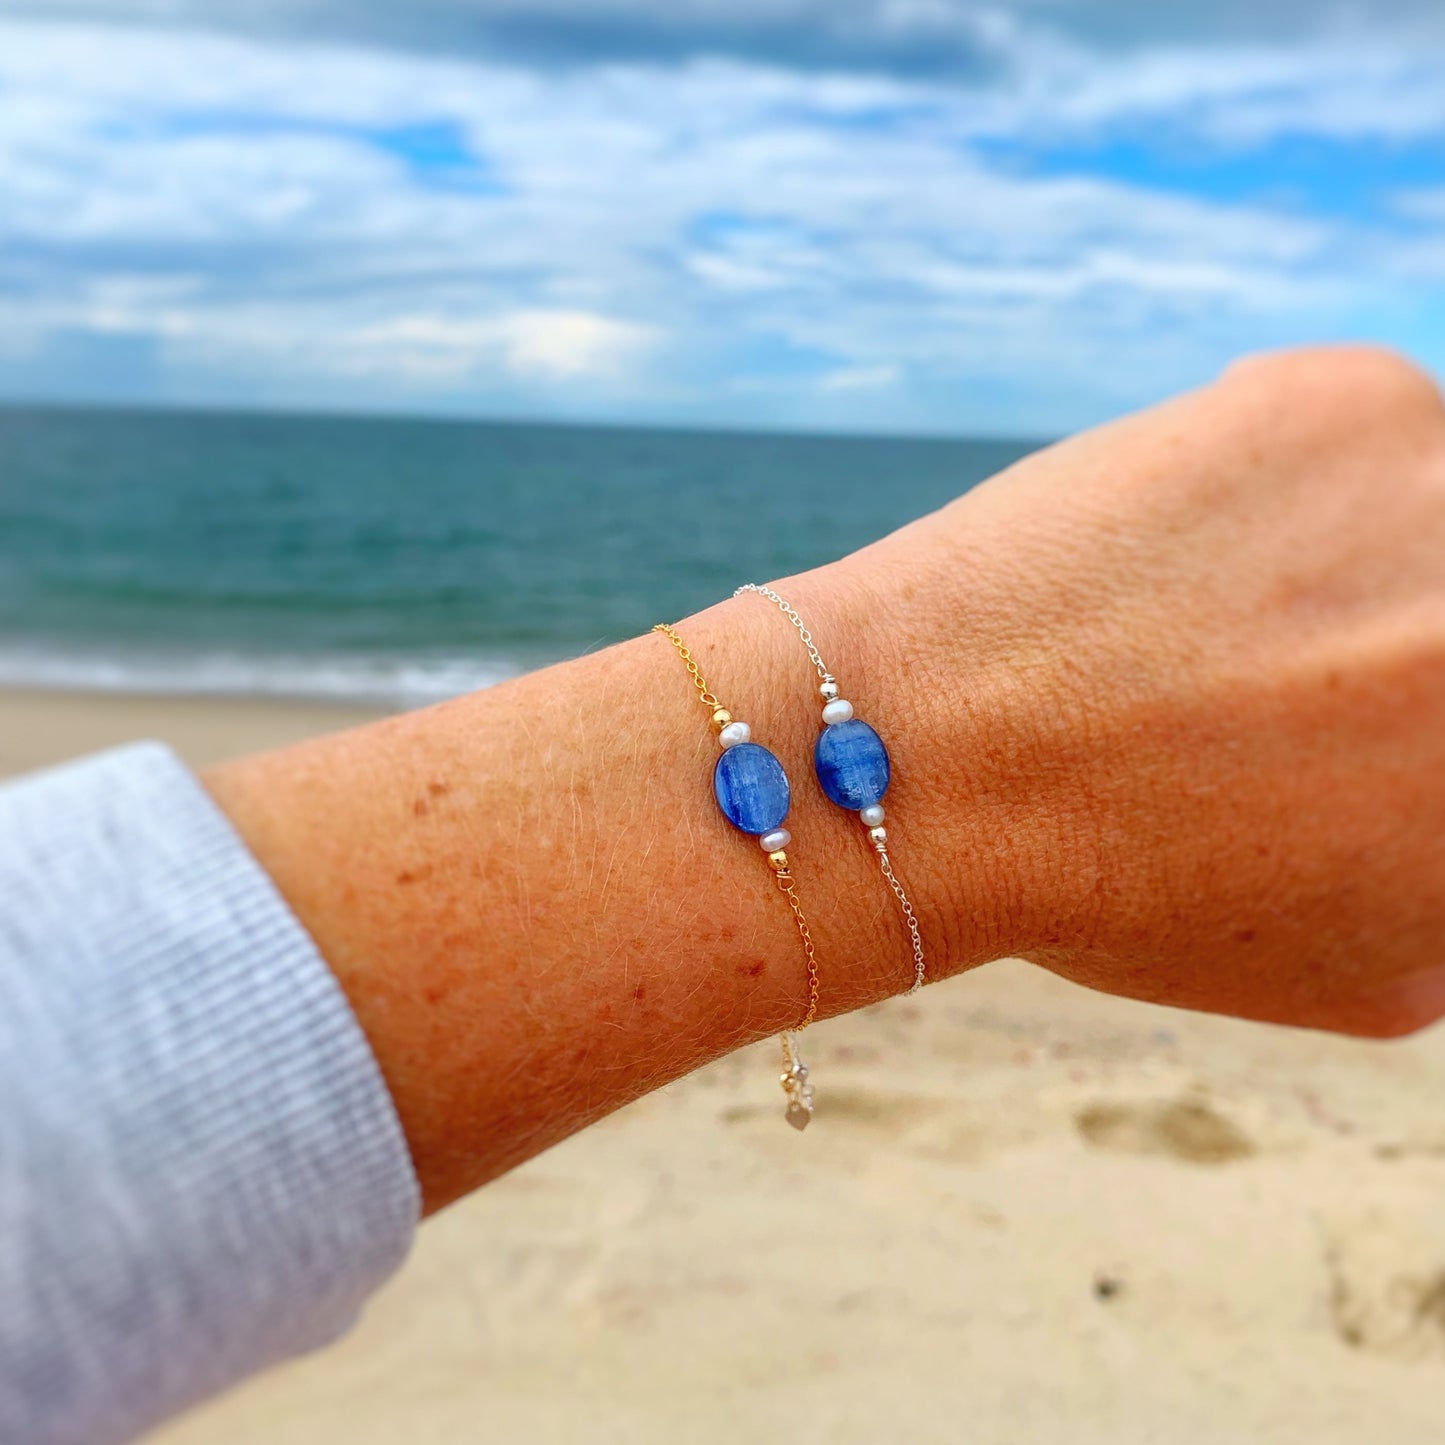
x=18, y=403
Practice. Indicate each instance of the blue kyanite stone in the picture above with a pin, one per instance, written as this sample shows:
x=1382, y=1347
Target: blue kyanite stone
x=852, y=764
x=751, y=788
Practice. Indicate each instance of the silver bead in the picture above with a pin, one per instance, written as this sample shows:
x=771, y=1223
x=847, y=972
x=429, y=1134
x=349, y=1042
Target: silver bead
x=837, y=711
x=773, y=842
x=878, y=837
x=735, y=733
x=872, y=815
x=829, y=690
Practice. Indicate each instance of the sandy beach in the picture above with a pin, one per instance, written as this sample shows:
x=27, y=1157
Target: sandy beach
x=1025, y=1213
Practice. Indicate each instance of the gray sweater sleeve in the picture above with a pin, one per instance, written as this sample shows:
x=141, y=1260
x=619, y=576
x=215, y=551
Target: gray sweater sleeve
x=201, y=1170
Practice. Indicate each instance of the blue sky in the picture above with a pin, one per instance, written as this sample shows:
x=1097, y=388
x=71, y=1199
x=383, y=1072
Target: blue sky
x=905, y=215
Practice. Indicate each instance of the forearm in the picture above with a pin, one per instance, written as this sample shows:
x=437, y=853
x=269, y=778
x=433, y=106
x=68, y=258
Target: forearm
x=538, y=912
x=1164, y=704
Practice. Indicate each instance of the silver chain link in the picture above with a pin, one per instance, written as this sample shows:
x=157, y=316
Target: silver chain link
x=920, y=968
x=791, y=613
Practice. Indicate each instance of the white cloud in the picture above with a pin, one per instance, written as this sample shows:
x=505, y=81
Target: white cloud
x=859, y=378
x=1236, y=95
x=1425, y=204
x=648, y=235
x=560, y=345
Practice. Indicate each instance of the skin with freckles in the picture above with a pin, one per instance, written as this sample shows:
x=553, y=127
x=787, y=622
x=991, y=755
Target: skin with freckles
x=1166, y=708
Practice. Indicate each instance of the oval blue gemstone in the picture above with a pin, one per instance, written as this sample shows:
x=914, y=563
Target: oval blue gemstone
x=752, y=788
x=852, y=764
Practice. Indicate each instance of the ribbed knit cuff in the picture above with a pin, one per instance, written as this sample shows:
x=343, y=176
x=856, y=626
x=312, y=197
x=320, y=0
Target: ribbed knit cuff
x=201, y=1170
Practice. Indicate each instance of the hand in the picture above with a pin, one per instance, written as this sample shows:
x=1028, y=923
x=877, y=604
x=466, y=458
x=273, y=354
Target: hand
x=1177, y=689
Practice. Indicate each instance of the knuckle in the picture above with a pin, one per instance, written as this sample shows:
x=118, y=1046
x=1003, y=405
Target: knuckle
x=1388, y=380
x=1352, y=381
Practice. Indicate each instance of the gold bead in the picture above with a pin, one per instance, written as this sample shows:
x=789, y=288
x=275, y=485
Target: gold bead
x=778, y=861
x=721, y=718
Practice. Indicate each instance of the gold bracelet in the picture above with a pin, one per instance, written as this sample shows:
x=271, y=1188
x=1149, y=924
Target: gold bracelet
x=753, y=792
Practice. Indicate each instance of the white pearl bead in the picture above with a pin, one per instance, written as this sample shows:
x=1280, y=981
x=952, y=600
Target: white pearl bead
x=829, y=690
x=872, y=815
x=839, y=710
x=735, y=733
x=773, y=842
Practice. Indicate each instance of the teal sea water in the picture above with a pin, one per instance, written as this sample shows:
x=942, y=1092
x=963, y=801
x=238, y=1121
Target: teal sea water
x=404, y=561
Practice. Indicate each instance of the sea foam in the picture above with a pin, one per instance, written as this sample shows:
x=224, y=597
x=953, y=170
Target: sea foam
x=377, y=680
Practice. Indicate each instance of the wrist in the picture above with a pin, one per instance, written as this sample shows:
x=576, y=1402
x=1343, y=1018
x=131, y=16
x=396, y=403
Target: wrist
x=537, y=911
x=952, y=732
x=976, y=702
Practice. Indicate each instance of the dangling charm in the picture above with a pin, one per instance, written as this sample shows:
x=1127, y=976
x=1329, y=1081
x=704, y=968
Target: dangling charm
x=796, y=1086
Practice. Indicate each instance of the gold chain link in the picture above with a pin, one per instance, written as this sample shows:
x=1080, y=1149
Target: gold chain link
x=704, y=693
x=785, y=882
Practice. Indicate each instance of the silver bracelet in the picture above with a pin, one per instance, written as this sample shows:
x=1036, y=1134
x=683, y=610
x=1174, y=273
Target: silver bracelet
x=853, y=768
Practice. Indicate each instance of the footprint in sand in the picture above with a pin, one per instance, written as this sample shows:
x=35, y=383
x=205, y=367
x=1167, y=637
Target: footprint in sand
x=1185, y=1129
x=1386, y=1293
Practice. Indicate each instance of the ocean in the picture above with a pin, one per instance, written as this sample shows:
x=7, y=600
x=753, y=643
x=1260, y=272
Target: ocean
x=402, y=561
